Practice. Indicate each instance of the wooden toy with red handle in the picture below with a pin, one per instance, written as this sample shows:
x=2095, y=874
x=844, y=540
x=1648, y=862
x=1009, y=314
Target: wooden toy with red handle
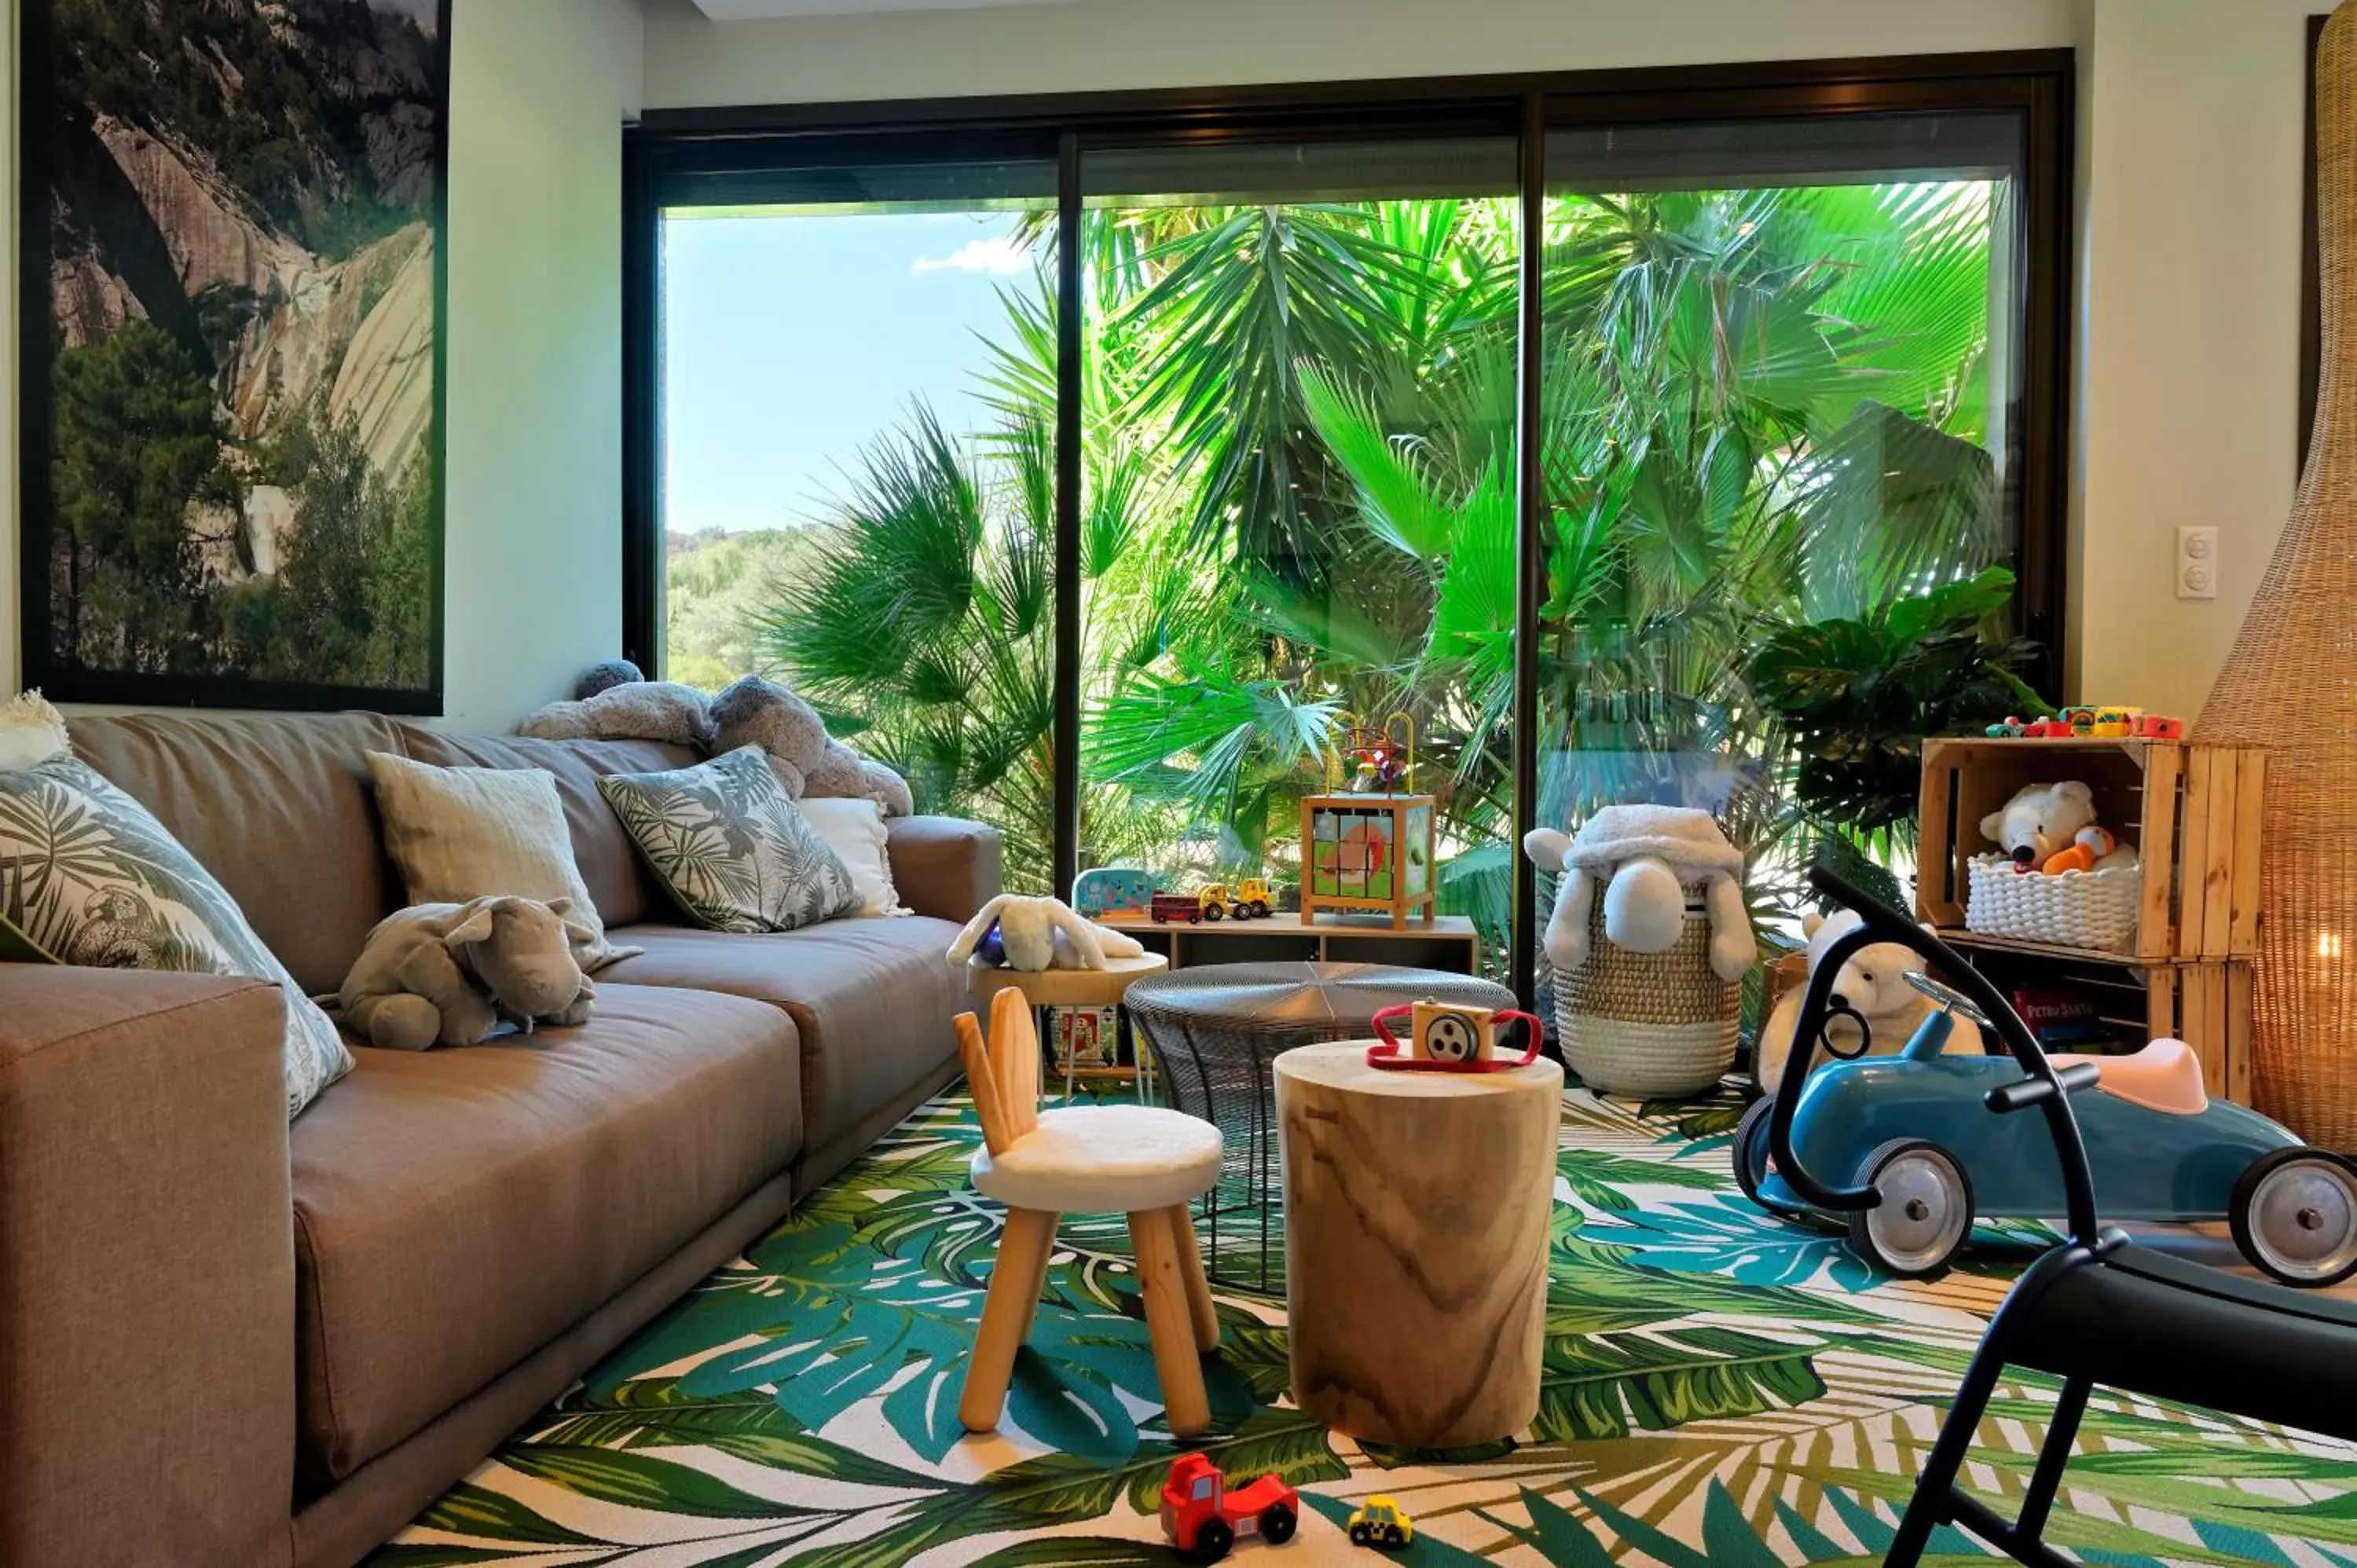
x=1448, y=1038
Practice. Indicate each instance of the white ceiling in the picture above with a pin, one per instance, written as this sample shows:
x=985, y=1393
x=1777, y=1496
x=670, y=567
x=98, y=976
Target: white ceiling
x=741, y=10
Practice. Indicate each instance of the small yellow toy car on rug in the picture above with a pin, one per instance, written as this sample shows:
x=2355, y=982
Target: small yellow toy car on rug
x=1381, y=1522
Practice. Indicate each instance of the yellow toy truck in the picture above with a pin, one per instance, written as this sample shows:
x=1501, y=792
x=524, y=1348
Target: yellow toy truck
x=1381, y=1523
x=1248, y=900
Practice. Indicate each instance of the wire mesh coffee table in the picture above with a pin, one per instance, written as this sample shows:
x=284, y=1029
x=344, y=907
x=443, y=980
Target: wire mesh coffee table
x=1216, y=1028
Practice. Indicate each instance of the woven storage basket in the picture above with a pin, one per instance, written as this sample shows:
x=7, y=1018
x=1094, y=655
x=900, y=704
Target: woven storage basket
x=2076, y=910
x=1648, y=1025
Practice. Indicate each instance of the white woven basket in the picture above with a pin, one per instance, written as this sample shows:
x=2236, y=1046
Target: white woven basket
x=1648, y=1026
x=2075, y=909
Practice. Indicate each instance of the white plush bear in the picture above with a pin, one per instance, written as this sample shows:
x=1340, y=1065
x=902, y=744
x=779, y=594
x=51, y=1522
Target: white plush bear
x=2042, y=820
x=1873, y=979
x=1043, y=933
x=1645, y=855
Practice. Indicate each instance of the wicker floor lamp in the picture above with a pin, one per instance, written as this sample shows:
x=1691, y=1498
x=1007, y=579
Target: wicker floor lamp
x=2290, y=684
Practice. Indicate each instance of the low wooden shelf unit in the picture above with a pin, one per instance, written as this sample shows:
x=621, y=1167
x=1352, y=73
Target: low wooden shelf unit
x=1448, y=942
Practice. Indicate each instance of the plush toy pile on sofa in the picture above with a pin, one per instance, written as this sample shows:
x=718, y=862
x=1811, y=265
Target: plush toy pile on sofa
x=614, y=702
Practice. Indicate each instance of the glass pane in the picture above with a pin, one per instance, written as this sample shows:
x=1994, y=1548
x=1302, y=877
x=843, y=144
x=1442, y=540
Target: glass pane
x=1782, y=369
x=1299, y=513
x=857, y=426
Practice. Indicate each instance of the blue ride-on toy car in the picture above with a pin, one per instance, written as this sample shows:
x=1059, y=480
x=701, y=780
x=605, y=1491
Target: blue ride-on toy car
x=1925, y=1133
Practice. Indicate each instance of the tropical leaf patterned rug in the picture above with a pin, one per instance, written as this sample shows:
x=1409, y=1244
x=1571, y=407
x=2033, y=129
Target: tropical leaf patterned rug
x=1720, y=1389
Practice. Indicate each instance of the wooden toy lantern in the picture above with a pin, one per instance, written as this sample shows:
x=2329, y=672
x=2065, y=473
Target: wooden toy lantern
x=1369, y=849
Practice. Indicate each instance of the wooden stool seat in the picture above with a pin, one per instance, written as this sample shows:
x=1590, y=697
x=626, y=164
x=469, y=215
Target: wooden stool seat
x=1099, y=1159
x=1103, y=1159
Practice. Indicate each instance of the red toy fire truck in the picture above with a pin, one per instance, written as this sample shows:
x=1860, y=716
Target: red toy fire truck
x=1202, y=1517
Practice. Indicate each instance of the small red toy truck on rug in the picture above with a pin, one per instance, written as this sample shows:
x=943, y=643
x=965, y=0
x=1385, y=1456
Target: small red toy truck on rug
x=1202, y=1517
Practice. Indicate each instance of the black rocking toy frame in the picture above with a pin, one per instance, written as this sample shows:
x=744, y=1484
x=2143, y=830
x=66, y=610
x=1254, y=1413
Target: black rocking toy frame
x=2098, y=1308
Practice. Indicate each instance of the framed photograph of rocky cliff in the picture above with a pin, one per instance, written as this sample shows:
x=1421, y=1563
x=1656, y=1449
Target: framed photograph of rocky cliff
x=231, y=350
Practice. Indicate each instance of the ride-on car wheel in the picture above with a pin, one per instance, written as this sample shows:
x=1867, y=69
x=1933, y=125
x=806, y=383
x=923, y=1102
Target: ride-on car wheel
x=1925, y=1213
x=2294, y=1215
x=1211, y=1541
x=1276, y=1524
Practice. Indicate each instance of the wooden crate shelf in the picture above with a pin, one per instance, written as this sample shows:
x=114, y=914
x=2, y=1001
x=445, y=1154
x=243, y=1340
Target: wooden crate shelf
x=2206, y=1004
x=2192, y=811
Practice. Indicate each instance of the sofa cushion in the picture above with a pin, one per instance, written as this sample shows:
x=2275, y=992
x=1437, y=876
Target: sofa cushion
x=873, y=998
x=623, y=888
x=456, y=1209
x=277, y=807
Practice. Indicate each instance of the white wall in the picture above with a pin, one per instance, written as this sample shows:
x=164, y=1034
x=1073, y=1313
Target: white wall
x=539, y=91
x=8, y=588
x=534, y=552
x=2189, y=314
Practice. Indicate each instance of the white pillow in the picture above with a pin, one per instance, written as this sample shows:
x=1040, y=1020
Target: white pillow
x=853, y=826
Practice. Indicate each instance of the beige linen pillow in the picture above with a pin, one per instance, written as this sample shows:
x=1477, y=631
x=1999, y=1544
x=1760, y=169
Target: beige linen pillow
x=459, y=834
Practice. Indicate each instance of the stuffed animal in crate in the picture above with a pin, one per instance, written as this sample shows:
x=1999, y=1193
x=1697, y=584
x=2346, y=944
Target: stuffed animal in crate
x=1034, y=934
x=1873, y=983
x=2052, y=828
x=449, y=974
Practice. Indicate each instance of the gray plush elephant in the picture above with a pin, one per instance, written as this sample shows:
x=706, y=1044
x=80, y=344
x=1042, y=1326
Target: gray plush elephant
x=449, y=974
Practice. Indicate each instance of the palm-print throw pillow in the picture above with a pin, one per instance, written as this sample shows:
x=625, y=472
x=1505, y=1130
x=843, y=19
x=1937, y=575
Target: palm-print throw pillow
x=731, y=846
x=87, y=876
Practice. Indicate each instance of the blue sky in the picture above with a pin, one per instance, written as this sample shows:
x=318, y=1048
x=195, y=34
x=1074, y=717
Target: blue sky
x=791, y=341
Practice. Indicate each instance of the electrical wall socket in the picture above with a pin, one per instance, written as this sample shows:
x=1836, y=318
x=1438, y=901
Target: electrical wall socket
x=2196, y=562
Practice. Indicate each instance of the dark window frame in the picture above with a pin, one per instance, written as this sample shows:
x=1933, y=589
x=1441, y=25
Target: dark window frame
x=2038, y=85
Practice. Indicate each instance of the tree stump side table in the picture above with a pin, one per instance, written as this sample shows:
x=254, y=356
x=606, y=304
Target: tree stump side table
x=1048, y=988
x=1416, y=1240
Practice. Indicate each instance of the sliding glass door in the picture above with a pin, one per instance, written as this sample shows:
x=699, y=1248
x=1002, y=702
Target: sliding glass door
x=1099, y=465
x=1299, y=512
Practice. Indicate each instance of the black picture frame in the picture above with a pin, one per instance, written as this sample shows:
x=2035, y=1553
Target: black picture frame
x=67, y=682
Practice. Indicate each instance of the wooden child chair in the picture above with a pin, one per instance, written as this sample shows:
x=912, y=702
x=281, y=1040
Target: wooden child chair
x=1137, y=1160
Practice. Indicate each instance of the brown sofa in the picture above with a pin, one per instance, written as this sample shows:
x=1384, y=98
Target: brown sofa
x=228, y=1340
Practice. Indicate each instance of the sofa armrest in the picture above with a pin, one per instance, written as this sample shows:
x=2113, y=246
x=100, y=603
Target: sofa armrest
x=146, y=1269
x=943, y=866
